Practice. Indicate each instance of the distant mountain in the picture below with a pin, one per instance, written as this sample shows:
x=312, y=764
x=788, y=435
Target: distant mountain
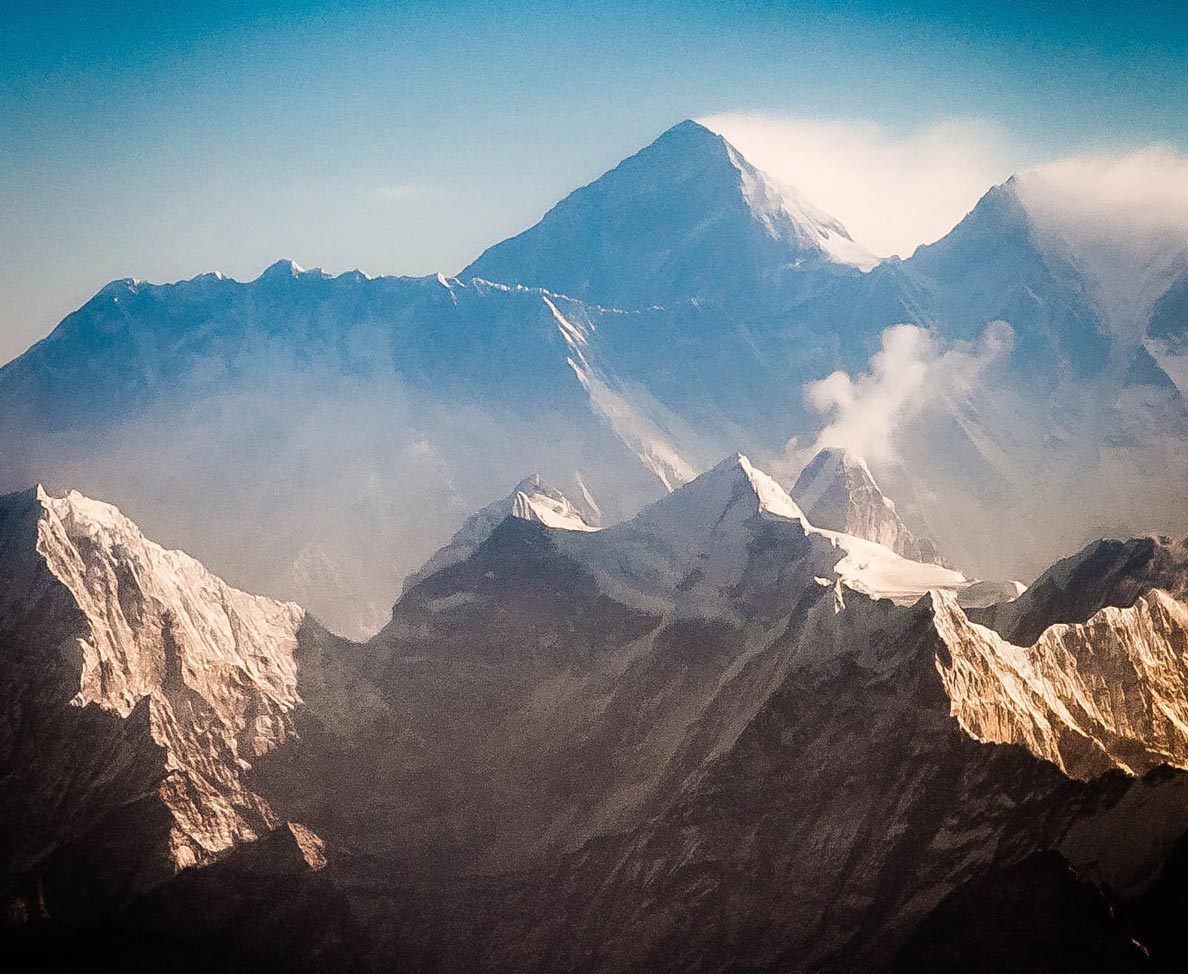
x=837, y=491
x=318, y=438
x=532, y=500
x=709, y=706
x=686, y=217
x=1167, y=332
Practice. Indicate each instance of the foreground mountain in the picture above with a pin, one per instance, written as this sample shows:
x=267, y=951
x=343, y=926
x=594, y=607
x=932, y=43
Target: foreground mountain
x=712, y=735
x=138, y=690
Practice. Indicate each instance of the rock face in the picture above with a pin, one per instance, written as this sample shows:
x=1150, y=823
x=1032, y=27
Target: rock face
x=714, y=736
x=137, y=691
x=837, y=491
x=1106, y=693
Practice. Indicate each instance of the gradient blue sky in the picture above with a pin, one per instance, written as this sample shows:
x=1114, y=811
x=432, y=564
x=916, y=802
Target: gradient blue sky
x=156, y=141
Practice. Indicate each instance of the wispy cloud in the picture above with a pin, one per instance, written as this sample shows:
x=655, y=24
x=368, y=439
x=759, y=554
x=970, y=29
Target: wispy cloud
x=911, y=371
x=892, y=191
x=1122, y=218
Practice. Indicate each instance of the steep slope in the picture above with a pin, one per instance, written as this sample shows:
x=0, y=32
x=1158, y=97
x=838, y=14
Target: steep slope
x=837, y=491
x=992, y=266
x=1107, y=693
x=532, y=500
x=137, y=690
x=367, y=417
x=712, y=735
x=1104, y=573
x=314, y=437
x=686, y=217
x=1167, y=332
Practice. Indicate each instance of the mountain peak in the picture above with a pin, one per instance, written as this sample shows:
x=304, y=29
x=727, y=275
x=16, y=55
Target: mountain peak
x=838, y=492
x=686, y=217
x=532, y=499
x=282, y=269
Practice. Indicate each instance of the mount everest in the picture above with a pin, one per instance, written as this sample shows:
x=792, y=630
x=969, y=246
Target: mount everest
x=652, y=710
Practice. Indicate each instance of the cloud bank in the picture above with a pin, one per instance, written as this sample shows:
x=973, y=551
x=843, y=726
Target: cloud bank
x=893, y=192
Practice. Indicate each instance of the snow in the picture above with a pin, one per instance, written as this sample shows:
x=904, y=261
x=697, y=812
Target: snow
x=551, y=511
x=1087, y=696
x=785, y=213
x=867, y=567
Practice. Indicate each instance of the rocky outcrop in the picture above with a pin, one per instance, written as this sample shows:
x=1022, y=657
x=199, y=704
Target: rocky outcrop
x=1106, y=693
x=137, y=691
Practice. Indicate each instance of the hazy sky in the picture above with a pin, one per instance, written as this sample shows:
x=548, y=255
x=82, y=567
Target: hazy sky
x=160, y=141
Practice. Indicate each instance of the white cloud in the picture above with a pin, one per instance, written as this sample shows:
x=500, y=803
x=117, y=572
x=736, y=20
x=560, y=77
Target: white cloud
x=892, y=192
x=1123, y=219
x=911, y=372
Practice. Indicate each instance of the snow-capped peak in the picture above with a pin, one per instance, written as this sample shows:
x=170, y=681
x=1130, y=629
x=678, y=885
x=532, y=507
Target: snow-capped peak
x=281, y=269
x=787, y=214
x=838, y=492
x=714, y=514
x=532, y=499
x=204, y=675
x=661, y=226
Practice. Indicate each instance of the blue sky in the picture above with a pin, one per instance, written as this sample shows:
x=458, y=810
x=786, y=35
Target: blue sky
x=160, y=141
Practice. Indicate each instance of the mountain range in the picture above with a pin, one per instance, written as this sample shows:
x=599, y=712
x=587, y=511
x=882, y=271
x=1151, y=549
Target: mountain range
x=641, y=747
x=663, y=705
x=318, y=438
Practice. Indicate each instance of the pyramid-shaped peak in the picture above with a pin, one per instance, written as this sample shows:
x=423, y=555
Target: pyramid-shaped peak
x=838, y=492
x=686, y=217
x=830, y=467
x=735, y=484
x=692, y=140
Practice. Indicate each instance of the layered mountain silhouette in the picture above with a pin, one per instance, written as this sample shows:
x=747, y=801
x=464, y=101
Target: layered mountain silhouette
x=648, y=709
x=713, y=734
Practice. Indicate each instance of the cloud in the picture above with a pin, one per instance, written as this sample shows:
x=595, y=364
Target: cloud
x=892, y=191
x=1123, y=219
x=911, y=372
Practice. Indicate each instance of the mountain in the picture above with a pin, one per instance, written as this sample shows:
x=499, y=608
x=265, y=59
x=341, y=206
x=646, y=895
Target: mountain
x=532, y=500
x=766, y=726
x=1167, y=332
x=686, y=217
x=837, y=491
x=138, y=689
x=317, y=438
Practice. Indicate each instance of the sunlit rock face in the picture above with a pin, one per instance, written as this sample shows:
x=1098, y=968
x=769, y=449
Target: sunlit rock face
x=1106, y=693
x=715, y=734
x=838, y=491
x=138, y=690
